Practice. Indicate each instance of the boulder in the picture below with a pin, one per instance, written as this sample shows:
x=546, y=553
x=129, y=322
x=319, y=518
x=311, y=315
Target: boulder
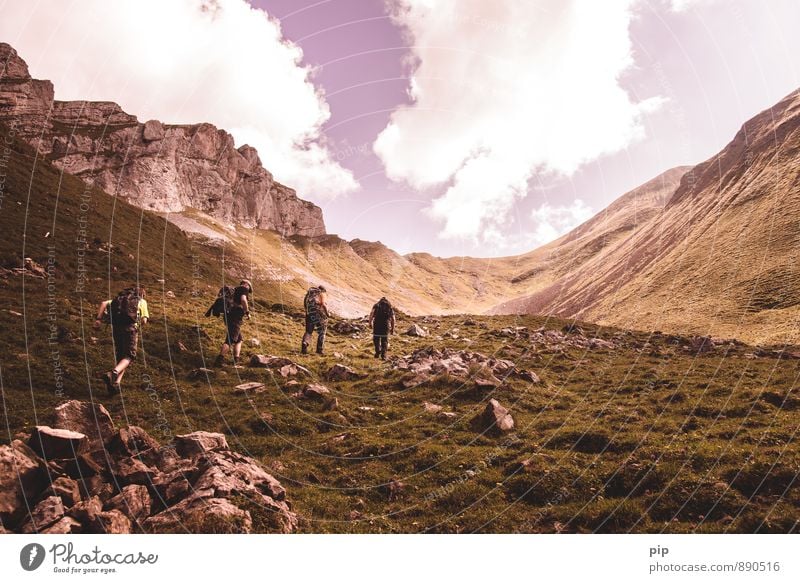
x=254, y=342
x=316, y=392
x=53, y=443
x=431, y=408
x=66, y=525
x=91, y=419
x=22, y=478
x=494, y=419
x=416, y=330
x=198, y=442
x=340, y=372
x=216, y=515
x=85, y=511
x=133, y=501
x=130, y=441
x=152, y=130
x=66, y=489
x=530, y=376
x=132, y=470
x=44, y=514
x=110, y=522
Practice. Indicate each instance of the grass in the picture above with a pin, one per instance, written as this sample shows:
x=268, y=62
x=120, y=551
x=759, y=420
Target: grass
x=645, y=437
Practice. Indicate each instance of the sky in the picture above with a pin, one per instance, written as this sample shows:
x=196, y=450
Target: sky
x=454, y=127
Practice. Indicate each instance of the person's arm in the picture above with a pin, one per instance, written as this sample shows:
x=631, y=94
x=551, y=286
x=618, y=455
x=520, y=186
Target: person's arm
x=99, y=319
x=323, y=307
x=245, y=306
x=372, y=316
x=392, y=322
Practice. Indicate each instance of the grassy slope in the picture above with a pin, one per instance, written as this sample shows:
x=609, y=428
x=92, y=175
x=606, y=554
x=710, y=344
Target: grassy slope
x=618, y=440
x=720, y=259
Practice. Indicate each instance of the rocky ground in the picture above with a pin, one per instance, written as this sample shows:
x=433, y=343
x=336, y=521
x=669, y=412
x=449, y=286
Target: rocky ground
x=487, y=424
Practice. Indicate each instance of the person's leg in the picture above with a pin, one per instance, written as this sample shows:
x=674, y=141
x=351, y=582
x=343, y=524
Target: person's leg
x=384, y=345
x=307, y=335
x=321, y=338
x=237, y=351
x=376, y=342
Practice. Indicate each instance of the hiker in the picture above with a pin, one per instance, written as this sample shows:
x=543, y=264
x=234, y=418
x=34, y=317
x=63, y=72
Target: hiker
x=382, y=320
x=125, y=313
x=316, y=317
x=232, y=305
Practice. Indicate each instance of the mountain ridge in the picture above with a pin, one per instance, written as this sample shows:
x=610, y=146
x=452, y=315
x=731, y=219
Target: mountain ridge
x=157, y=166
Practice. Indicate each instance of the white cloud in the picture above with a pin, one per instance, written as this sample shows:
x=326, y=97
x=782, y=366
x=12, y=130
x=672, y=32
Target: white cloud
x=187, y=61
x=503, y=90
x=551, y=222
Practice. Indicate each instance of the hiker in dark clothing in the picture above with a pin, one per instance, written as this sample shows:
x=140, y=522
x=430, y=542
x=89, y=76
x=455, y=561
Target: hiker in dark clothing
x=125, y=313
x=382, y=320
x=316, y=317
x=233, y=306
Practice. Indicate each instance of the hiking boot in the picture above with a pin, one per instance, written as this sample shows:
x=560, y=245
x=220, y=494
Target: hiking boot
x=116, y=389
x=110, y=380
x=377, y=355
x=383, y=356
x=219, y=362
x=304, y=349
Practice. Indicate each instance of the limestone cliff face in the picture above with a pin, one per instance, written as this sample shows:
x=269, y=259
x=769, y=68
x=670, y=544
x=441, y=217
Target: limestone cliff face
x=157, y=166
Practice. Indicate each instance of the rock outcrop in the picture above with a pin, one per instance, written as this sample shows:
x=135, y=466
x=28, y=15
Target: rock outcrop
x=156, y=166
x=124, y=481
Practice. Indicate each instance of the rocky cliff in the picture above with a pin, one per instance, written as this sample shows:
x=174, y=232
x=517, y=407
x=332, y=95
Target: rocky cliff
x=157, y=166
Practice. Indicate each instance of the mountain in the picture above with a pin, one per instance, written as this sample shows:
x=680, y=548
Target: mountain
x=157, y=166
x=613, y=430
x=720, y=258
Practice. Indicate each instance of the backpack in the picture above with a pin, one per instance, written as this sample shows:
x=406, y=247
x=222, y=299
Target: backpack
x=383, y=311
x=224, y=302
x=311, y=301
x=124, y=309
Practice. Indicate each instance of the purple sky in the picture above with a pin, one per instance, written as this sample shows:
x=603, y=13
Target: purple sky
x=718, y=63
x=456, y=127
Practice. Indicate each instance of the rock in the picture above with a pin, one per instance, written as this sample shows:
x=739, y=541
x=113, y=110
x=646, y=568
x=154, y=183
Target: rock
x=394, y=489
x=316, y=392
x=494, y=419
x=110, y=522
x=530, y=376
x=416, y=330
x=152, y=130
x=133, y=501
x=340, y=372
x=216, y=515
x=131, y=441
x=44, y=514
x=86, y=510
x=286, y=368
x=346, y=327
x=431, y=408
x=200, y=373
x=66, y=525
x=133, y=471
x=182, y=347
x=66, y=489
x=198, y=442
x=160, y=168
x=254, y=342
x=293, y=369
x=170, y=295
x=93, y=420
x=57, y=443
x=701, y=344
x=22, y=478
x=249, y=388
